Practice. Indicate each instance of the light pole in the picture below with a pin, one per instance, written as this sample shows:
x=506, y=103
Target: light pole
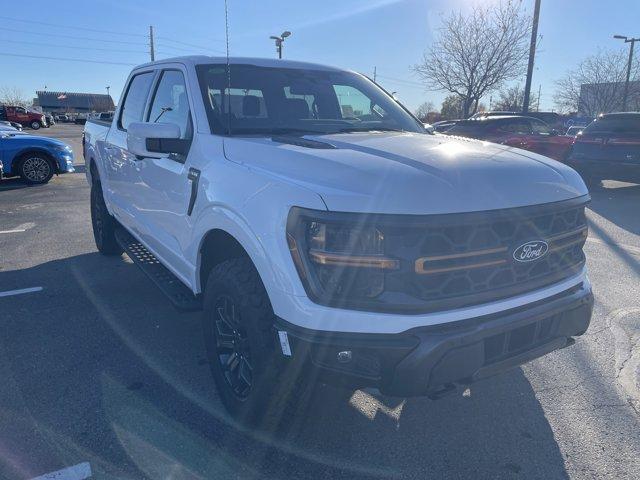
x=626, y=83
x=280, y=40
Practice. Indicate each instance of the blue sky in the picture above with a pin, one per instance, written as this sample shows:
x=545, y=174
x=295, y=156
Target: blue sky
x=357, y=34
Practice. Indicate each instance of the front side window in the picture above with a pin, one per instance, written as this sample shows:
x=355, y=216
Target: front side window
x=135, y=100
x=540, y=128
x=274, y=100
x=170, y=103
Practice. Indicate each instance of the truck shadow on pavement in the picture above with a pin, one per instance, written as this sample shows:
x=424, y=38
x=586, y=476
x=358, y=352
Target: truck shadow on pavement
x=618, y=204
x=98, y=367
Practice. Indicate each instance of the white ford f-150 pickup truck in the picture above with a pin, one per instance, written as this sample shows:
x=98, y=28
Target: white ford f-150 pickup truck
x=326, y=235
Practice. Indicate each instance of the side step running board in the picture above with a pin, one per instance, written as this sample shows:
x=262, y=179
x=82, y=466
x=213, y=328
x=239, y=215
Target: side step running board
x=180, y=296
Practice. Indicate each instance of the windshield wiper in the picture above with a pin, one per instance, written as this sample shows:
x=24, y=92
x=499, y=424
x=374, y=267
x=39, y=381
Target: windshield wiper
x=369, y=129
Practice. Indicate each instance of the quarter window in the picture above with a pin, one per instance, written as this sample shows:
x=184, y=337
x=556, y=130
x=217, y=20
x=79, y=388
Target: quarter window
x=135, y=100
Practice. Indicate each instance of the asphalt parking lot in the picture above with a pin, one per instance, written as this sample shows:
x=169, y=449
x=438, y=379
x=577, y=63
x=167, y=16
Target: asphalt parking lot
x=97, y=368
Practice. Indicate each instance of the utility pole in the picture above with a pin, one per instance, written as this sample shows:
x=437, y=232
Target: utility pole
x=626, y=83
x=532, y=54
x=152, y=50
x=539, y=93
x=375, y=72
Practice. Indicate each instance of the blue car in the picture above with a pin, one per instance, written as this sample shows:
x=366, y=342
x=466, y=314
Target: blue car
x=35, y=159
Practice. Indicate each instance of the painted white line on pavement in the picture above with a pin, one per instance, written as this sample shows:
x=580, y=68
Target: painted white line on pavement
x=10, y=293
x=13, y=231
x=80, y=471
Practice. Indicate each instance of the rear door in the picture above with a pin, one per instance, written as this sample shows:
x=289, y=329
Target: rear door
x=121, y=166
x=510, y=131
x=545, y=141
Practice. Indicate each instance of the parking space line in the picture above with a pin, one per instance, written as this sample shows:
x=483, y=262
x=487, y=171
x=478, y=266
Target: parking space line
x=80, y=471
x=20, y=291
x=13, y=231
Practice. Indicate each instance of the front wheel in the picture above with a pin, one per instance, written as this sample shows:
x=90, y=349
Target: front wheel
x=255, y=383
x=103, y=224
x=36, y=125
x=36, y=169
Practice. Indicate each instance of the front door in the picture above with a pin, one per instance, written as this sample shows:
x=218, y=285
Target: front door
x=161, y=198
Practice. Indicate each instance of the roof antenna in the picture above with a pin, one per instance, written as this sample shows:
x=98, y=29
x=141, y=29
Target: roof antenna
x=226, y=21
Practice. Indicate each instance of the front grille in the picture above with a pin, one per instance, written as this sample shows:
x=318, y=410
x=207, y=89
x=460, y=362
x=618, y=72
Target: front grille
x=466, y=259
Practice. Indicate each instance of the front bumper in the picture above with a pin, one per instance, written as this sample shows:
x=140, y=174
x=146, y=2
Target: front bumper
x=65, y=162
x=434, y=360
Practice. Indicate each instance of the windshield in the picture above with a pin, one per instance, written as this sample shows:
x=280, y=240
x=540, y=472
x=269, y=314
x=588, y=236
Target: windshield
x=272, y=101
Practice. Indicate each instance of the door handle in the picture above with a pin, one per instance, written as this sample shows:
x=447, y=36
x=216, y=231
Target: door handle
x=194, y=176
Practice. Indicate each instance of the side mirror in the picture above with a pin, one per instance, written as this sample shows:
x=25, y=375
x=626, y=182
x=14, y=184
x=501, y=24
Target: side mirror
x=429, y=128
x=155, y=140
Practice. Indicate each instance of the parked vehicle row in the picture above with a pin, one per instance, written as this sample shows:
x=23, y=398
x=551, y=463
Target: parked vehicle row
x=517, y=131
x=326, y=235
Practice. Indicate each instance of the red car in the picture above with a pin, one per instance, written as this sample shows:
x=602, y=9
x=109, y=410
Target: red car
x=23, y=116
x=517, y=131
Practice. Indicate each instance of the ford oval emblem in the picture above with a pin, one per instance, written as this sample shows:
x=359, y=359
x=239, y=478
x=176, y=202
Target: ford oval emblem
x=530, y=251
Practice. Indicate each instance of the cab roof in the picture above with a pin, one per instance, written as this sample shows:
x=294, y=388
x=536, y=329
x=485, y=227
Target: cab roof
x=193, y=60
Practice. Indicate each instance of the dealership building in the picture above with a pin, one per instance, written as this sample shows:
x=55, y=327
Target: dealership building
x=69, y=102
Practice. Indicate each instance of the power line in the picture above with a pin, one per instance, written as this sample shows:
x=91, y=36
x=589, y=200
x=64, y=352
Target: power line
x=41, y=44
x=72, y=27
x=400, y=80
x=167, y=39
x=70, y=36
x=82, y=60
x=180, y=49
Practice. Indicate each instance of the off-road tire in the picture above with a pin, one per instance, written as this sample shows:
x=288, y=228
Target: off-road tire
x=278, y=383
x=103, y=224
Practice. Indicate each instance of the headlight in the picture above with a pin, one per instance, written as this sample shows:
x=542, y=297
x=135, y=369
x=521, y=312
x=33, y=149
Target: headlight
x=340, y=257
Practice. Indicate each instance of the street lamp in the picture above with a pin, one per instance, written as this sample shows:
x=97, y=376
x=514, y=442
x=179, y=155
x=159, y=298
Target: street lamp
x=280, y=40
x=107, y=87
x=626, y=83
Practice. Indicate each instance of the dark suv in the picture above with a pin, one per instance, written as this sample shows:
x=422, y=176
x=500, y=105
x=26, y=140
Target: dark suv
x=609, y=148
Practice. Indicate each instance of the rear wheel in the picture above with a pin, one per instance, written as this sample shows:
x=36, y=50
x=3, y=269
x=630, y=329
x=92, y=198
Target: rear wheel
x=256, y=384
x=36, y=168
x=36, y=125
x=103, y=224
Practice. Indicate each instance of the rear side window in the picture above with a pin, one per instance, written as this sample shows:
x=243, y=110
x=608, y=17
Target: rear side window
x=135, y=100
x=614, y=125
x=515, y=126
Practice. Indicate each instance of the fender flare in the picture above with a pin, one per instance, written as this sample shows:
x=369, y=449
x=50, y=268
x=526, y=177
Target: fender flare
x=218, y=217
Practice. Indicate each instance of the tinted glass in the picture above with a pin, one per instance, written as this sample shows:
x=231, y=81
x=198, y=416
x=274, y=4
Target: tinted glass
x=135, y=100
x=170, y=103
x=540, y=128
x=469, y=128
x=268, y=100
x=614, y=125
x=515, y=126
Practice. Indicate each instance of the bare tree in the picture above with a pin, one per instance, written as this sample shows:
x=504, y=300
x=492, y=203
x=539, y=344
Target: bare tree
x=13, y=96
x=595, y=86
x=476, y=54
x=423, y=110
x=510, y=99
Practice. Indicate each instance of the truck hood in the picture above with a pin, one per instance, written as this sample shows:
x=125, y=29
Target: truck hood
x=410, y=173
